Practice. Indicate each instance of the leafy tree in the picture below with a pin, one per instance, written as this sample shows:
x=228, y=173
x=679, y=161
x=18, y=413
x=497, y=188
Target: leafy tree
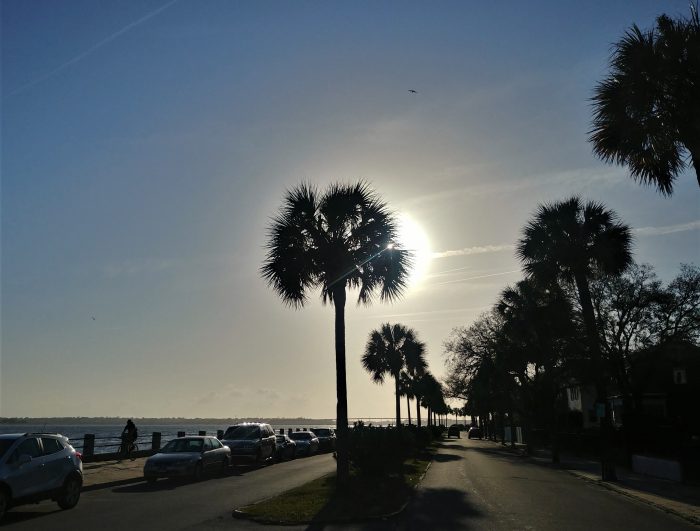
x=572, y=242
x=333, y=241
x=540, y=340
x=390, y=350
x=647, y=111
x=679, y=308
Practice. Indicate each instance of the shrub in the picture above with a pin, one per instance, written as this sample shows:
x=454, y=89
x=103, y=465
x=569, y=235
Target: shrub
x=380, y=451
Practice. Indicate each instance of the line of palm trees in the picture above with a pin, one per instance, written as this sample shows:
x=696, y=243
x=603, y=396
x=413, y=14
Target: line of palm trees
x=395, y=351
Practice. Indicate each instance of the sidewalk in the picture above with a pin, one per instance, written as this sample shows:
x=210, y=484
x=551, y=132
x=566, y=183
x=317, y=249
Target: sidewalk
x=105, y=474
x=680, y=499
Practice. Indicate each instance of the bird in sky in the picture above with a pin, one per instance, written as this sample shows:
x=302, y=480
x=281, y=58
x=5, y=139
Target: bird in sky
x=93, y=318
x=413, y=91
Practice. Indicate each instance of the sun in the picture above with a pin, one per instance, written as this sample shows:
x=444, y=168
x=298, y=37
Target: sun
x=412, y=237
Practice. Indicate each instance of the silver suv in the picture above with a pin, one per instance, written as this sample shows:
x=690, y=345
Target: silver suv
x=253, y=441
x=38, y=466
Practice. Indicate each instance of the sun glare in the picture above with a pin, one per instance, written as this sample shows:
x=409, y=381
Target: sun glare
x=413, y=238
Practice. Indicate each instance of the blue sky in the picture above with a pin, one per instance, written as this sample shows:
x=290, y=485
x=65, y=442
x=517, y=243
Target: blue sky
x=145, y=146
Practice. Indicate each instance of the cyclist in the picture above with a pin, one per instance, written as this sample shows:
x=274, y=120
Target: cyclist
x=129, y=435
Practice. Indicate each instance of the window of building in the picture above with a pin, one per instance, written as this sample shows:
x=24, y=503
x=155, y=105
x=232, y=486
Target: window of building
x=573, y=393
x=679, y=376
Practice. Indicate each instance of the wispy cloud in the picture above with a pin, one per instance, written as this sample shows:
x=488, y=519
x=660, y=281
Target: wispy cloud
x=668, y=229
x=416, y=314
x=477, y=249
x=458, y=280
x=92, y=49
x=585, y=177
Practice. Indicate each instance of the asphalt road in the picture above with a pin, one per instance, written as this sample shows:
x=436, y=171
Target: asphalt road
x=478, y=485
x=169, y=504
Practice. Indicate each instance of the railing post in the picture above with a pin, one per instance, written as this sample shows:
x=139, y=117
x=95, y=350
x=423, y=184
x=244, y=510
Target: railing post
x=155, y=441
x=89, y=445
x=219, y=434
x=281, y=431
x=180, y=433
x=202, y=433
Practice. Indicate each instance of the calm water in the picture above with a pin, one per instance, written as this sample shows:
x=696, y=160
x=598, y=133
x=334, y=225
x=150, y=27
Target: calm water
x=107, y=436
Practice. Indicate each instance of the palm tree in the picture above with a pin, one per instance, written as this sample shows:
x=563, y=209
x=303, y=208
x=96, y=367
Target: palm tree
x=341, y=239
x=390, y=350
x=406, y=386
x=647, y=111
x=572, y=242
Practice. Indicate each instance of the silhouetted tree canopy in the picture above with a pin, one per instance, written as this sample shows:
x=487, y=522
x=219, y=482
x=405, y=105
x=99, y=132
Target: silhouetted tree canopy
x=646, y=113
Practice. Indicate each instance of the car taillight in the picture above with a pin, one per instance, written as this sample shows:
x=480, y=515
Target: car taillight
x=79, y=455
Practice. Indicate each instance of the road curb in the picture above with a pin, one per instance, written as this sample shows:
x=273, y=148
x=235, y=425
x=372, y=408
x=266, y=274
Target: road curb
x=115, y=483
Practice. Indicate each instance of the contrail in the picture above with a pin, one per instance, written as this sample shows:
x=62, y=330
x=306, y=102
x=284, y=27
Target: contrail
x=475, y=278
x=96, y=47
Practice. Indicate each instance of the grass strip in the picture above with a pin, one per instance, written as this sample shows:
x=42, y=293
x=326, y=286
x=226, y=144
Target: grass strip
x=319, y=501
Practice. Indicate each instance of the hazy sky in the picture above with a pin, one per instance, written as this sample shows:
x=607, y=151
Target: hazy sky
x=146, y=144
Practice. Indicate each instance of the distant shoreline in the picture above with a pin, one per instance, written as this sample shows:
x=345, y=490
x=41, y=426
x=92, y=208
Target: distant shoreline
x=73, y=421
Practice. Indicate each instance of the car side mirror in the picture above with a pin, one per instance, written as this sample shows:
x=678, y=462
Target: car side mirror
x=24, y=459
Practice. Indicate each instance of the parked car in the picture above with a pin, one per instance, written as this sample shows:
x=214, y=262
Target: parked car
x=286, y=448
x=453, y=430
x=474, y=433
x=252, y=441
x=188, y=456
x=38, y=466
x=326, y=438
x=307, y=442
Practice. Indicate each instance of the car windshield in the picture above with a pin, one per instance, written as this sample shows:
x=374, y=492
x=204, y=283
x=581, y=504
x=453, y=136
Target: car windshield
x=300, y=436
x=5, y=445
x=183, y=445
x=242, y=432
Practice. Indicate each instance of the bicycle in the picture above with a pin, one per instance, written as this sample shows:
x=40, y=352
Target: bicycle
x=127, y=448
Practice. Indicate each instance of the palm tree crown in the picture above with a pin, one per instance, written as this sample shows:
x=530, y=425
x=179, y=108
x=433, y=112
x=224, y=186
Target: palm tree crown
x=570, y=240
x=647, y=111
x=390, y=350
x=342, y=238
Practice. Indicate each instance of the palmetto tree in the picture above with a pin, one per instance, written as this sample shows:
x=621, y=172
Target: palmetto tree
x=343, y=238
x=572, y=242
x=391, y=350
x=647, y=111
x=406, y=387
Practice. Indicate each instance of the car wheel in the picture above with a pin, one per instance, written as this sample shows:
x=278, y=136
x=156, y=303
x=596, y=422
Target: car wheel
x=71, y=493
x=4, y=502
x=197, y=474
x=150, y=479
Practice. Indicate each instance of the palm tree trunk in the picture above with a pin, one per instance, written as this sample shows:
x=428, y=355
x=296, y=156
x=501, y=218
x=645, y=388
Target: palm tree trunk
x=695, y=156
x=606, y=461
x=408, y=408
x=418, y=410
x=397, y=390
x=342, y=446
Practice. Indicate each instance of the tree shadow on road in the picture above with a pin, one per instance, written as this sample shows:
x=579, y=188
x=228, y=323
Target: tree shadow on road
x=438, y=509
x=444, y=458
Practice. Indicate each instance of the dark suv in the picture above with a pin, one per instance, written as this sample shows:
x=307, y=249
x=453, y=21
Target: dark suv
x=38, y=466
x=253, y=441
x=326, y=438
